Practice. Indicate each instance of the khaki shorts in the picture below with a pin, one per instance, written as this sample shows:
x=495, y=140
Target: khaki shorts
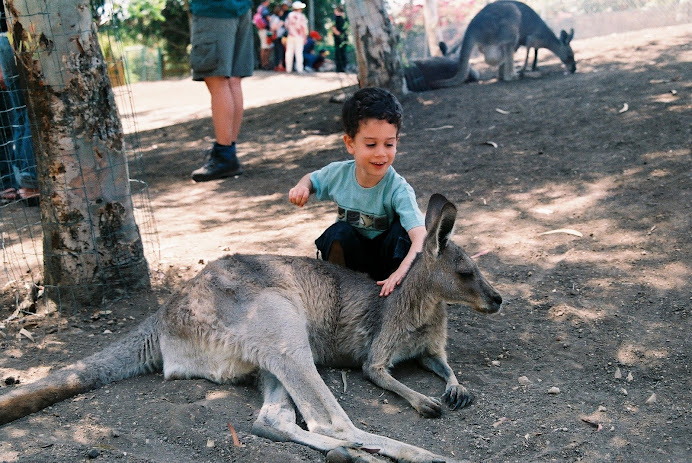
x=222, y=47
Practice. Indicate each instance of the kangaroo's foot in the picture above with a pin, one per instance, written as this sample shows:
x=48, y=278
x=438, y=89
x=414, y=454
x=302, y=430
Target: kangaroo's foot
x=429, y=407
x=457, y=397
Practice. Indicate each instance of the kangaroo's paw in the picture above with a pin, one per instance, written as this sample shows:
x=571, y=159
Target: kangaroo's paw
x=429, y=407
x=457, y=397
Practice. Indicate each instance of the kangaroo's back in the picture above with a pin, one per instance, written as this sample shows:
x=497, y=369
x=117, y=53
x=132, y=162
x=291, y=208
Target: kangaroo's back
x=531, y=24
x=535, y=33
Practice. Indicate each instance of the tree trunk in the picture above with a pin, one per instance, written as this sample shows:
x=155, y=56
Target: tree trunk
x=91, y=244
x=376, y=41
x=432, y=31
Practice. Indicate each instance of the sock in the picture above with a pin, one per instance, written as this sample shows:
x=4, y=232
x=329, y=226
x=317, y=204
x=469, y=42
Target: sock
x=225, y=151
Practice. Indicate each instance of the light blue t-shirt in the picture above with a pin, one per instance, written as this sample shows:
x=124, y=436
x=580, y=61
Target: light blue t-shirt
x=370, y=211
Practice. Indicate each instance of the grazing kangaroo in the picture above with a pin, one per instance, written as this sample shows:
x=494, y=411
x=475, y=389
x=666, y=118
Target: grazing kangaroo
x=535, y=33
x=498, y=30
x=281, y=315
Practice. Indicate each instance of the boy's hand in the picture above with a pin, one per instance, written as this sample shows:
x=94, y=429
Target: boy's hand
x=417, y=235
x=299, y=195
x=393, y=281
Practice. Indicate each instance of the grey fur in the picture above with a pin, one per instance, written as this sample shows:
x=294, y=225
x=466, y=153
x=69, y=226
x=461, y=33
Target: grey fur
x=498, y=30
x=281, y=315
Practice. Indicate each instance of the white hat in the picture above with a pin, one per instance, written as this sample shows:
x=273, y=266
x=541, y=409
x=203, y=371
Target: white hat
x=298, y=5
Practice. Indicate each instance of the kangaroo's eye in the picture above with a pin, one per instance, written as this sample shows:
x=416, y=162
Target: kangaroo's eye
x=465, y=272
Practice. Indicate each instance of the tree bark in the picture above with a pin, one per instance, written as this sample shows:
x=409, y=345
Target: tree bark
x=432, y=31
x=376, y=41
x=92, y=248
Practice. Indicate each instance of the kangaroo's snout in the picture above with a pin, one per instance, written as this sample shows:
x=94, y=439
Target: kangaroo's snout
x=491, y=303
x=496, y=302
x=489, y=300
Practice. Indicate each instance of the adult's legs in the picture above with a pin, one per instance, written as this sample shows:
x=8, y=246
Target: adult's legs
x=340, y=56
x=290, y=53
x=222, y=47
x=226, y=107
x=19, y=148
x=226, y=115
x=298, y=45
x=279, y=54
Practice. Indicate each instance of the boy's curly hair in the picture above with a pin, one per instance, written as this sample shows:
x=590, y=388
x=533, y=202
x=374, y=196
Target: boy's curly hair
x=371, y=103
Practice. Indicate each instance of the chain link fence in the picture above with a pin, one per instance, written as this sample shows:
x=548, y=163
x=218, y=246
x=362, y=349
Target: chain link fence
x=21, y=233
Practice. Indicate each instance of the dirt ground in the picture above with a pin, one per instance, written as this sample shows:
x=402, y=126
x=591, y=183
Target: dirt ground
x=589, y=359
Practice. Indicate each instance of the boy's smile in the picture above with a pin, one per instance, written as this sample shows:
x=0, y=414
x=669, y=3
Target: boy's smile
x=374, y=150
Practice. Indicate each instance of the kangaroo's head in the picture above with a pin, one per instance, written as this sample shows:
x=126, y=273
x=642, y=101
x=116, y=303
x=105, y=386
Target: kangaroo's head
x=453, y=275
x=566, y=53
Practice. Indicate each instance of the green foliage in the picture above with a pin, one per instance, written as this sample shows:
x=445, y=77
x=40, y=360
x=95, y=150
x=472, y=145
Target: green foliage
x=155, y=24
x=143, y=21
x=175, y=32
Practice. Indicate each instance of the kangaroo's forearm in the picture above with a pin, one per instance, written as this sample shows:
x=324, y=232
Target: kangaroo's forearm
x=441, y=368
x=381, y=377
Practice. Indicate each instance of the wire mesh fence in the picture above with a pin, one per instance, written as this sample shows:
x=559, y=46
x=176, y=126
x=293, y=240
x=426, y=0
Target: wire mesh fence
x=23, y=233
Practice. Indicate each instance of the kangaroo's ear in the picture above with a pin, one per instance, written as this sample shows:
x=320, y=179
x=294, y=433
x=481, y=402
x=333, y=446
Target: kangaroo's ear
x=566, y=38
x=439, y=221
x=435, y=204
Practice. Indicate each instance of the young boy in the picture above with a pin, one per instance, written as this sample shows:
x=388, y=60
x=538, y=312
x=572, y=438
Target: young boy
x=379, y=228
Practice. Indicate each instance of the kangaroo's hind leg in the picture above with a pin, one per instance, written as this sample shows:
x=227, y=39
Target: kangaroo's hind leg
x=507, y=71
x=324, y=415
x=282, y=347
x=277, y=421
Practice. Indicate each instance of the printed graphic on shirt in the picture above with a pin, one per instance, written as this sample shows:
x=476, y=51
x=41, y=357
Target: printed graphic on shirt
x=363, y=221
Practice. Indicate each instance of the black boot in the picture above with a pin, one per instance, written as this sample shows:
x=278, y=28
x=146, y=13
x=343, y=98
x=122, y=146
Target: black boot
x=222, y=163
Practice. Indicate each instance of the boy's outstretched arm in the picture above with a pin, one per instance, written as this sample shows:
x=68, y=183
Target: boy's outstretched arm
x=300, y=193
x=417, y=235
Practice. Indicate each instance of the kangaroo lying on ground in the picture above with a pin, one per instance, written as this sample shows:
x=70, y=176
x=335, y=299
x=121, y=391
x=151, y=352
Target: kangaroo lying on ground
x=422, y=74
x=281, y=315
x=498, y=30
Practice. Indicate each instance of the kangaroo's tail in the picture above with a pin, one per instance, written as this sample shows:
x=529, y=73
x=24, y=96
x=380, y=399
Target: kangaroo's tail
x=137, y=353
x=463, y=70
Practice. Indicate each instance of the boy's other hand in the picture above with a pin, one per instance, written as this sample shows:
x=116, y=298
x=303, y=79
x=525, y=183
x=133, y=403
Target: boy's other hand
x=299, y=195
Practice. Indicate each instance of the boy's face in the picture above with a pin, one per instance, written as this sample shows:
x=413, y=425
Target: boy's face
x=374, y=150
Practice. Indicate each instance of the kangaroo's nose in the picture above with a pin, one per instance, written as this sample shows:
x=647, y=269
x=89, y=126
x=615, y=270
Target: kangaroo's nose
x=497, y=298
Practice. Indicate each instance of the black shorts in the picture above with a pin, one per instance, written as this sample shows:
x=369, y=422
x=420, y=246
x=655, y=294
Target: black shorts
x=378, y=257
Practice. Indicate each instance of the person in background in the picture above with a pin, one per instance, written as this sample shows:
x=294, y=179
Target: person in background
x=340, y=38
x=261, y=21
x=222, y=54
x=18, y=177
x=297, y=29
x=278, y=31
